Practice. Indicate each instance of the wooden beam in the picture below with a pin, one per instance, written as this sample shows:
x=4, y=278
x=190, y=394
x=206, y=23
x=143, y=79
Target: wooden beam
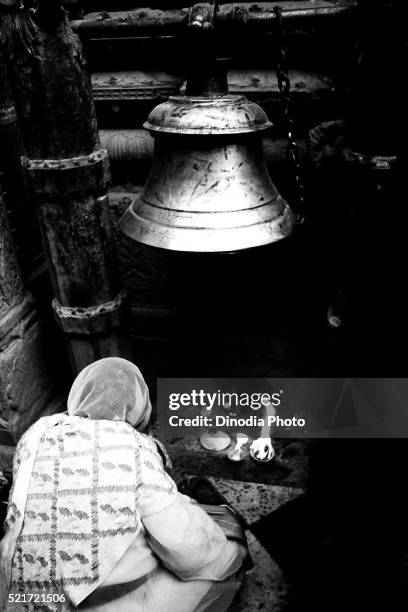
x=145, y=21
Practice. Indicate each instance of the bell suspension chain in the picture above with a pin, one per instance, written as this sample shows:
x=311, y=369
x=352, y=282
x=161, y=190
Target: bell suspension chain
x=292, y=148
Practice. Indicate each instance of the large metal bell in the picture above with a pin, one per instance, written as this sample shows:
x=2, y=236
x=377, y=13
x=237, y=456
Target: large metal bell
x=209, y=189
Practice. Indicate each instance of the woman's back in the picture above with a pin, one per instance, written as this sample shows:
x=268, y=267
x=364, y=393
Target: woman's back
x=93, y=516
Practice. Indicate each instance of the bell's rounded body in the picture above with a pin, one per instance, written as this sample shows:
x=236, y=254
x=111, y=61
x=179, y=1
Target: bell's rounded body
x=209, y=189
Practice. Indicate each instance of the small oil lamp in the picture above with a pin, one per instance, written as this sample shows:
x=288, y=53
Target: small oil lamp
x=214, y=439
x=262, y=449
x=238, y=453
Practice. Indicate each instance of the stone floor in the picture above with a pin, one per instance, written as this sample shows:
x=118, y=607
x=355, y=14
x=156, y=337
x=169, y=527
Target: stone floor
x=266, y=586
x=254, y=490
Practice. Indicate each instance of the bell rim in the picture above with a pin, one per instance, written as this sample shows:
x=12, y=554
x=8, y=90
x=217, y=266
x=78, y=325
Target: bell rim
x=131, y=220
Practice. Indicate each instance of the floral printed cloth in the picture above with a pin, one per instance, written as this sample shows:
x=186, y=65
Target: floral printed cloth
x=74, y=508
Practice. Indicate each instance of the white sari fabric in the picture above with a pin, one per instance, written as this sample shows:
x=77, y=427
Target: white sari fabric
x=81, y=505
x=93, y=508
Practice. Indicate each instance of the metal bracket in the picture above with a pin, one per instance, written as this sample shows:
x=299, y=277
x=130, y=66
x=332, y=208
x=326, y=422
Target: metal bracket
x=201, y=16
x=240, y=14
x=92, y=320
x=372, y=162
x=53, y=177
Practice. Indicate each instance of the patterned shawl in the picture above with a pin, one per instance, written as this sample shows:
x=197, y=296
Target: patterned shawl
x=74, y=506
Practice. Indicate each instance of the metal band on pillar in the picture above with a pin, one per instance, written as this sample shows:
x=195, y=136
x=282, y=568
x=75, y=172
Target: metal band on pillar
x=85, y=173
x=93, y=320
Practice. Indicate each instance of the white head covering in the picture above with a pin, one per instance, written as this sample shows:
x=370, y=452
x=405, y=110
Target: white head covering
x=112, y=389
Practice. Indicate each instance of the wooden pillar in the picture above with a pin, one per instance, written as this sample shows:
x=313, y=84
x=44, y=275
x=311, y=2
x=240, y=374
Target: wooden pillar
x=69, y=172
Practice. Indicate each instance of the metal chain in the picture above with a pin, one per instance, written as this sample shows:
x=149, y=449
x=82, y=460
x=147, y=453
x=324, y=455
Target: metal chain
x=292, y=148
